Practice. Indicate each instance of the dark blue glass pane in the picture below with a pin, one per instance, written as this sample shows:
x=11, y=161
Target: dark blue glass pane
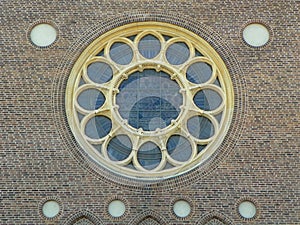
x=217, y=82
x=101, y=53
x=207, y=99
x=80, y=116
x=201, y=148
x=98, y=147
x=131, y=37
x=149, y=46
x=177, y=53
x=149, y=155
x=219, y=117
x=149, y=100
x=119, y=148
x=91, y=99
x=197, y=53
x=121, y=53
x=98, y=127
x=166, y=37
x=81, y=82
x=179, y=148
x=200, y=127
x=99, y=72
x=199, y=72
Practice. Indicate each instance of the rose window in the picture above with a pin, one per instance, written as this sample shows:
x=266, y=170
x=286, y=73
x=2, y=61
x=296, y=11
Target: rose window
x=149, y=100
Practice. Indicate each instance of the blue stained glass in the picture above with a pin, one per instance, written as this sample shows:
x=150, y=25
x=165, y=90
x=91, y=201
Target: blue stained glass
x=149, y=100
x=119, y=148
x=121, y=53
x=166, y=37
x=207, y=99
x=217, y=82
x=91, y=99
x=101, y=53
x=149, y=46
x=149, y=155
x=80, y=116
x=131, y=37
x=200, y=127
x=98, y=127
x=100, y=72
x=130, y=83
x=200, y=148
x=199, y=72
x=179, y=148
x=177, y=53
x=197, y=53
x=219, y=117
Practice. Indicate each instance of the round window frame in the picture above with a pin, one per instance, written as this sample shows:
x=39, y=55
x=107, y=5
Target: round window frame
x=139, y=28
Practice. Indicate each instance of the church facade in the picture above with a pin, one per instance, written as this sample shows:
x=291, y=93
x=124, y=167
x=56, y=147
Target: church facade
x=149, y=112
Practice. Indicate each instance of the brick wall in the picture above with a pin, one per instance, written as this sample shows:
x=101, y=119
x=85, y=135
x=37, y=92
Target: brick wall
x=259, y=159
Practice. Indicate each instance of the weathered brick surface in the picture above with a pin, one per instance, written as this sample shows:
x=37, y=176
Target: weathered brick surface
x=259, y=160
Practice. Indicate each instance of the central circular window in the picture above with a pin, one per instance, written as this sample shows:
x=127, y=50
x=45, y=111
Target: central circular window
x=149, y=101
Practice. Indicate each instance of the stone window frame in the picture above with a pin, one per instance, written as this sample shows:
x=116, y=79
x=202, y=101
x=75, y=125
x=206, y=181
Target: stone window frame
x=153, y=28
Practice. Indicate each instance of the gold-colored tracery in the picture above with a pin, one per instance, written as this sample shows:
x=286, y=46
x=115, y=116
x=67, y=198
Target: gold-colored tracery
x=198, y=53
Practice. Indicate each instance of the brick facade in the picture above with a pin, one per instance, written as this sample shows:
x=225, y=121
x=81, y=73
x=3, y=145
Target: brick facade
x=41, y=160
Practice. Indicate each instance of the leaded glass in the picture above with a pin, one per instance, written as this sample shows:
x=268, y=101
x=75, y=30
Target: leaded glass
x=91, y=99
x=149, y=46
x=207, y=99
x=149, y=155
x=119, y=148
x=149, y=100
x=200, y=127
x=121, y=53
x=199, y=72
x=179, y=148
x=98, y=127
x=99, y=72
x=177, y=53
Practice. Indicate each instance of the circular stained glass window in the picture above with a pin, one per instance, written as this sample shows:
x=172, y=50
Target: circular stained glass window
x=150, y=101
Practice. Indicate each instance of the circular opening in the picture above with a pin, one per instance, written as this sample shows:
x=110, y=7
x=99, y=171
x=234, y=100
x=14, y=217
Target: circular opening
x=207, y=99
x=179, y=148
x=149, y=46
x=116, y=208
x=256, y=35
x=99, y=72
x=182, y=208
x=119, y=148
x=43, y=35
x=98, y=127
x=149, y=156
x=91, y=99
x=247, y=209
x=50, y=209
x=177, y=53
x=121, y=53
x=199, y=72
x=149, y=100
x=200, y=127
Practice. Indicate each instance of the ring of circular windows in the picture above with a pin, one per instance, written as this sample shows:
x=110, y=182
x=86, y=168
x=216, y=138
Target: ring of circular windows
x=149, y=101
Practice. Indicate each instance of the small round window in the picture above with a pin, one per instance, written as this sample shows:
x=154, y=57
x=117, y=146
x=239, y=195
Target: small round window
x=149, y=101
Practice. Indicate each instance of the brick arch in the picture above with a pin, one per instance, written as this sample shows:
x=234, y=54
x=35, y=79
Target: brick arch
x=214, y=218
x=83, y=218
x=148, y=217
x=149, y=220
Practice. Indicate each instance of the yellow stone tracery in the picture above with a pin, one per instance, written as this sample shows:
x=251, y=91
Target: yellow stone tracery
x=159, y=63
